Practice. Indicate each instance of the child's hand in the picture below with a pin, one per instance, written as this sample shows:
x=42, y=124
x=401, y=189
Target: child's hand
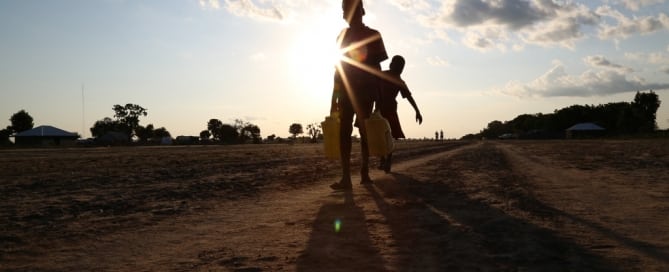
x=419, y=118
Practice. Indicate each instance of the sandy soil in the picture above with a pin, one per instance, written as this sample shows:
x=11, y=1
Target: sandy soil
x=448, y=206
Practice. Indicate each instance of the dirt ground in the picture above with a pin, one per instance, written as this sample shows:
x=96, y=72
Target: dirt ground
x=577, y=205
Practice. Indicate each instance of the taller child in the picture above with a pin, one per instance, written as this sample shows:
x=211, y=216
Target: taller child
x=356, y=86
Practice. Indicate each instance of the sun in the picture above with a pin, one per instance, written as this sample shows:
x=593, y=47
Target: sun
x=315, y=54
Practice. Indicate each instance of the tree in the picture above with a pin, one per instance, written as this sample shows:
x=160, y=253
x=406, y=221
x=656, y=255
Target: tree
x=295, y=129
x=228, y=134
x=494, y=129
x=128, y=116
x=645, y=106
x=314, y=131
x=4, y=136
x=214, y=127
x=160, y=132
x=239, y=125
x=252, y=132
x=271, y=138
x=102, y=127
x=204, y=135
x=144, y=133
x=21, y=121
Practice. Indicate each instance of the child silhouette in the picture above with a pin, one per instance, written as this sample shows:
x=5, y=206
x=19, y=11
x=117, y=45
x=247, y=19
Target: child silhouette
x=391, y=85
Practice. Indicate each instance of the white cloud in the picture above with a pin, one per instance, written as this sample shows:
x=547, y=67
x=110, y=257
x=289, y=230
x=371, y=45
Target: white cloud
x=637, y=4
x=652, y=57
x=626, y=26
x=658, y=58
x=485, y=39
x=213, y=4
x=411, y=5
x=556, y=82
x=248, y=8
x=437, y=61
x=602, y=62
x=665, y=69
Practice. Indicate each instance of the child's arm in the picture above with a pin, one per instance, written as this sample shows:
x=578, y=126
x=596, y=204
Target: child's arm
x=419, y=117
x=407, y=94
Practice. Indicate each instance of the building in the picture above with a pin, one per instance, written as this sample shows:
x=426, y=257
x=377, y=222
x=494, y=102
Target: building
x=585, y=130
x=45, y=136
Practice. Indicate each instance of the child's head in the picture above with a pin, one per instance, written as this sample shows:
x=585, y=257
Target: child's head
x=352, y=10
x=397, y=64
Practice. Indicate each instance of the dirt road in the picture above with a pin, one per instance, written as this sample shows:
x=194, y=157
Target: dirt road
x=482, y=206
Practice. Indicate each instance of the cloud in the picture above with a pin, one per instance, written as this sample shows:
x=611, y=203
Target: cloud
x=437, y=61
x=541, y=22
x=651, y=57
x=248, y=8
x=665, y=69
x=556, y=82
x=564, y=29
x=213, y=4
x=411, y=5
x=512, y=14
x=485, y=39
x=626, y=26
x=635, y=5
x=602, y=62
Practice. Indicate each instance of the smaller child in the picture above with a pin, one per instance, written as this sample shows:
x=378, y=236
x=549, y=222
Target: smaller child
x=392, y=84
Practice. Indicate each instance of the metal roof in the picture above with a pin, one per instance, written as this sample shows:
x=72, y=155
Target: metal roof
x=45, y=131
x=585, y=126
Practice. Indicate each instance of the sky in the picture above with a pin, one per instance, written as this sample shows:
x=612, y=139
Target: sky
x=270, y=62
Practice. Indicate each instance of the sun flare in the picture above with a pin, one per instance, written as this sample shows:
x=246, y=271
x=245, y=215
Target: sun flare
x=315, y=54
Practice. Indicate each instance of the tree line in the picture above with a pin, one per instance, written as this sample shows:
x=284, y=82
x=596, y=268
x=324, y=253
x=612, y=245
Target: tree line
x=124, y=127
x=620, y=118
x=20, y=121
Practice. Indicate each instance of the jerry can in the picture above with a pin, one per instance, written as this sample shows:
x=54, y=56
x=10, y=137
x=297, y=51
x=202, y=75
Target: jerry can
x=331, y=127
x=379, y=137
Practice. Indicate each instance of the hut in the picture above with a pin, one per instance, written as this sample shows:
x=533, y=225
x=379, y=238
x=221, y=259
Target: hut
x=585, y=130
x=45, y=136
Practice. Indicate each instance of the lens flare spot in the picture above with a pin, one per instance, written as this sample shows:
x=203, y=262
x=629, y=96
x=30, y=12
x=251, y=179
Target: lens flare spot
x=337, y=225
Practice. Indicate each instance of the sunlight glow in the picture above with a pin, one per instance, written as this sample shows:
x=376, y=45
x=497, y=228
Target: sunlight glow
x=314, y=56
x=357, y=52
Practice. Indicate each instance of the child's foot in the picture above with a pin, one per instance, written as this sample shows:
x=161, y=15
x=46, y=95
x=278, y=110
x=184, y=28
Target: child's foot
x=342, y=185
x=365, y=179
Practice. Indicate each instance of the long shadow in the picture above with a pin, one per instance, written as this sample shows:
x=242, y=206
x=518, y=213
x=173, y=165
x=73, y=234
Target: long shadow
x=542, y=209
x=339, y=240
x=445, y=230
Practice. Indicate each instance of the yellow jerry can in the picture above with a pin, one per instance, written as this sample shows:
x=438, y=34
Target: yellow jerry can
x=379, y=137
x=331, y=127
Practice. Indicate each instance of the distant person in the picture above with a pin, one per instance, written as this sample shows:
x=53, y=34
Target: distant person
x=390, y=87
x=356, y=84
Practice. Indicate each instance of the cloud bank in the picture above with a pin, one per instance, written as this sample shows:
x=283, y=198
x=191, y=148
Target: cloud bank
x=556, y=82
x=259, y=10
x=500, y=24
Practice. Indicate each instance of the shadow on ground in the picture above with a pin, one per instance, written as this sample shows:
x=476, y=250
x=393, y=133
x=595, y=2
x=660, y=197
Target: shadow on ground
x=348, y=248
x=458, y=233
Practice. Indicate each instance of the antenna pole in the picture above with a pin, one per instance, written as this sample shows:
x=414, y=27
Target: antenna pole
x=83, y=113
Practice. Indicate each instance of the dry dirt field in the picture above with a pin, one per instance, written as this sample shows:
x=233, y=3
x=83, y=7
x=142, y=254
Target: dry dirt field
x=581, y=205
